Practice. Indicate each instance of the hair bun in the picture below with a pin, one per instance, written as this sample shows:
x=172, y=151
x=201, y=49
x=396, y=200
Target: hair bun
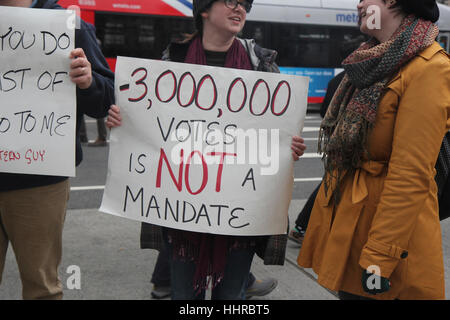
x=425, y=9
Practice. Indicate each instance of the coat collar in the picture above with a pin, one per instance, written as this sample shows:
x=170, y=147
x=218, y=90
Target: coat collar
x=429, y=52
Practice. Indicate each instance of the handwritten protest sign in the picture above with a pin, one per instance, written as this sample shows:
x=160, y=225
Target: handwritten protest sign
x=37, y=98
x=202, y=148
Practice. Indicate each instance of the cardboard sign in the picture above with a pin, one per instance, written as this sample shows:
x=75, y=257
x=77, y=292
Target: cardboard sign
x=204, y=149
x=37, y=98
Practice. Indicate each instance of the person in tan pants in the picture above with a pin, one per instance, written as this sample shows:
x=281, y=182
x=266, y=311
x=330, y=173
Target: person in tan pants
x=35, y=233
x=33, y=207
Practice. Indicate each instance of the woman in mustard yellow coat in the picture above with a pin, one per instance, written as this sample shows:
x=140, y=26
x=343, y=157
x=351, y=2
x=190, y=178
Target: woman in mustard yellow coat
x=374, y=230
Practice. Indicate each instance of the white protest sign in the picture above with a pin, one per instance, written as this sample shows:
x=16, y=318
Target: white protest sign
x=37, y=98
x=203, y=148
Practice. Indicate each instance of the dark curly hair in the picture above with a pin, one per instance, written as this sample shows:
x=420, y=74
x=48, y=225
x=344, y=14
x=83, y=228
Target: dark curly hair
x=425, y=9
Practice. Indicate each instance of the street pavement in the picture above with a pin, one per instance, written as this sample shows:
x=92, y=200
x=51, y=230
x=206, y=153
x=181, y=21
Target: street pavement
x=105, y=249
x=113, y=267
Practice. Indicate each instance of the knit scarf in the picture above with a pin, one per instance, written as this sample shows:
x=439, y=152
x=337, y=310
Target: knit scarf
x=237, y=57
x=208, y=251
x=352, y=112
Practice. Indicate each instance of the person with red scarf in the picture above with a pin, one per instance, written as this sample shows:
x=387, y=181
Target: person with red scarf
x=195, y=256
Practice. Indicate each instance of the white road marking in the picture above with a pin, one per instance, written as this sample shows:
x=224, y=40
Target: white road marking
x=87, y=188
x=92, y=141
x=311, y=155
x=311, y=129
x=313, y=117
x=308, y=179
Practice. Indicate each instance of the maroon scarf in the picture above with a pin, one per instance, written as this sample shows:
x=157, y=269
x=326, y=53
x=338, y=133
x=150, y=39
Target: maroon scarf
x=209, y=251
x=237, y=56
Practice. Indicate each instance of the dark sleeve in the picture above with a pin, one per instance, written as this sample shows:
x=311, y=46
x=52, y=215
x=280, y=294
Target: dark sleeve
x=96, y=100
x=331, y=89
x=176, y=52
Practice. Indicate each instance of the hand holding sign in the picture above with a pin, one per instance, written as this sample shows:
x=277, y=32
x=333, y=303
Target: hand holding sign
x=114, y=119
x=80, y=69
x=298, y=147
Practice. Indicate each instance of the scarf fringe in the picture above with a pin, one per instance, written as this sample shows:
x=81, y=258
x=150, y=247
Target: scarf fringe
x=336, y=163
x=208, y=252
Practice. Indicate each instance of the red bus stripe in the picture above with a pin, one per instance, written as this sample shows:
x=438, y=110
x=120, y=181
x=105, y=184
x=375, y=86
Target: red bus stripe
x=156, y=7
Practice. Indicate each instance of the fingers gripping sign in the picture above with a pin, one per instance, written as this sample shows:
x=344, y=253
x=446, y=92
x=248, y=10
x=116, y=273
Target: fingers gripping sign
x=298, y=147
x=80, y=69
x=114, y=118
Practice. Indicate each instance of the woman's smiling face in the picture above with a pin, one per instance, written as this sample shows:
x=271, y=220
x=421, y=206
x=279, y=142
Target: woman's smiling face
x=224, y=19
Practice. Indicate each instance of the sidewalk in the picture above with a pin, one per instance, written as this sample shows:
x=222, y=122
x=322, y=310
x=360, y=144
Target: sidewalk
x=113, y=267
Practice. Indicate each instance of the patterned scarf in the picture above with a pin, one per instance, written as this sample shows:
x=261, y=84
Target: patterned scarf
x=353, y=109
x=209, y=251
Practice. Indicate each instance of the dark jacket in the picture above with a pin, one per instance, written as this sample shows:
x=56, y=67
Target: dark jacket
x=331, y=89
x=272, y=249
x=443, y=178
x=94, y=101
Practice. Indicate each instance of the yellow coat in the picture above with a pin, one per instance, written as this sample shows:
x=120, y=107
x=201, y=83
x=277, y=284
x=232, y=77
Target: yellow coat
x=388, y=212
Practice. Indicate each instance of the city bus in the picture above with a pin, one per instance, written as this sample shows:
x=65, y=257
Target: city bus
x=307, y=34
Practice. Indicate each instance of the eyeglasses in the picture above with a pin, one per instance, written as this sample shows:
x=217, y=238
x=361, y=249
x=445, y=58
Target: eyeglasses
x=232, y=4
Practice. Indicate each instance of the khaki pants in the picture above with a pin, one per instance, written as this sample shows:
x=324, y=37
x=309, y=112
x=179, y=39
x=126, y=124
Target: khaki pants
x=32, y=220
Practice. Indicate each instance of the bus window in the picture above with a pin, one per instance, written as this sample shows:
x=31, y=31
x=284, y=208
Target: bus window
x=138, y=35
x=259, y=31
x=302, y=45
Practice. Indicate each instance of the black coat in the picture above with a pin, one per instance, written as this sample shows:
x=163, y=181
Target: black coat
x=331, y=89
x=443, y=178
